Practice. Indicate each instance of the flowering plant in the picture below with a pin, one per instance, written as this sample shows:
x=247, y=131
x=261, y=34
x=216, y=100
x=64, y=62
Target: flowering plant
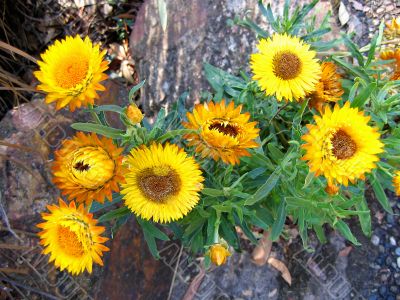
x=298, y=142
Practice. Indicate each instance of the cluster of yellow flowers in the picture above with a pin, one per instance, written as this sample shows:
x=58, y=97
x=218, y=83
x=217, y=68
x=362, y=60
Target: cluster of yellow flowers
x=162, y=182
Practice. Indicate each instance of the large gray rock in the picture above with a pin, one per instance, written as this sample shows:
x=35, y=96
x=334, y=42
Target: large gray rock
x=196, y=32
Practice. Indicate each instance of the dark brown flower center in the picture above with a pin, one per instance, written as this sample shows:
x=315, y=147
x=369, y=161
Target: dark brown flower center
x=158, y=187
x=81, y=166
x=287, y=65
x=227, y=129
x=343, y=147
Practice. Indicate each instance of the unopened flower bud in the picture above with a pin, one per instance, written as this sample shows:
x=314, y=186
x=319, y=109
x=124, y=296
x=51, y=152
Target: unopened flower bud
x=134, y=114
x=219, y=254
x=332, y=189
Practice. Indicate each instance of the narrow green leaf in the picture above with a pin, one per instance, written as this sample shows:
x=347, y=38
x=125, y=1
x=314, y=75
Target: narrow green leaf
x=265, y=189
x=364, y=95
x=365, y=218
x=114, y=214
x=162, y=11
x=353, y=48
x=314, y=34
x=319, y=230
x=96, y=206
x=376, y=41
x=152, y=230
x=99, y=129
x=267, y=12
x=212, y=192
x=173, y=134
x=380, y=193
x=113, y=108
x=346, y=232
x=277, y=227
x=353, y=91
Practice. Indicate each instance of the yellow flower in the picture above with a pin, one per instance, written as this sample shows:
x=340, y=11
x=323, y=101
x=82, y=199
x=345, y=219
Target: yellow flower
x=328, y=89
x=71, y=71
x=389, y=55
x=341, y=146
x=223, y=131
x=134, y=114
x=285, y=67
x=87, y=168
x=71, y=237
x=392, y=30
x=162, y=182
x=218, y=254
x=396, y=183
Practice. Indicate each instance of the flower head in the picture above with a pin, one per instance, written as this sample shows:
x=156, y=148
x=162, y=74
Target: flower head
x=396, y=183
x=162, y=182
x=285, y=67
x=71, y=71
x=87, y=168
x=71, y=237
x=218, y=254
x=328, y=89
x=392, y=29
x=341, y=145
x=395, y=67
x=223, y=131
x=134, y=114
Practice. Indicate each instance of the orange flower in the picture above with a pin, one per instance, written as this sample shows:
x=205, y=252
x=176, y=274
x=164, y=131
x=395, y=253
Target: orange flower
x=328, y=89
x=87, y=168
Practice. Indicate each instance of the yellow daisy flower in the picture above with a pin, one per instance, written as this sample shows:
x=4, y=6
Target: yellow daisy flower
x=341, y=145
x=162, y=182
x=87, y=168
x=71, y=237
x=396, y=183
x=328, y=89
x=285, y=67
x=392, y=29
x=223, y=131
x=71, y=71
x=395, y=67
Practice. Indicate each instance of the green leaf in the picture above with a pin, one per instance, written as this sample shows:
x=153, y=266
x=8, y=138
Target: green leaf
x=151, y=243
x=218, y=79
x=152, y=230
x=212, y=192
x=162, y=11
x=173, y=134
x=229, y=234
x=96, y=206
x=267, y=12
x=363, y=96
x=277, y=227
x=353, y=48
x=380, y=193
x=114, y=214
x=319, y=230
x=99, y=129
x=353, y=91
x=315, y=34
x=113, y=108
x=365, y=218
x=352, y=69
x=376, y=41
x=346, y=232
x=265, y=189
x=133, y=90
x=246, y=230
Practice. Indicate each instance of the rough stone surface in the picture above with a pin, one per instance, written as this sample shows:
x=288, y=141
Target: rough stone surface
x=197, y=32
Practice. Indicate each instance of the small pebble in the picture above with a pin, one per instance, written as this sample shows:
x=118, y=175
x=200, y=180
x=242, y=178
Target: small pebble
x=393, y=241
x=383, y=291
x=398, y=262
x=397, y=251
x=375, y=240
